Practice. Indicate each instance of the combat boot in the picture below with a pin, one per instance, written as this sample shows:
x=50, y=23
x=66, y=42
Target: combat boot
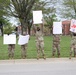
x=53, y=56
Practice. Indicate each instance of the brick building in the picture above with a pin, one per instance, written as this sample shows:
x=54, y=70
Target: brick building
x=66, y=27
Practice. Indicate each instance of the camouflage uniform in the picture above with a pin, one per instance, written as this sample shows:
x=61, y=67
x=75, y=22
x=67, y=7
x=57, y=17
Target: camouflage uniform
x=11, y=48
x=23, y=51
x=56, y=44
x=24, y=48
x=73, y=46
x=40, y=44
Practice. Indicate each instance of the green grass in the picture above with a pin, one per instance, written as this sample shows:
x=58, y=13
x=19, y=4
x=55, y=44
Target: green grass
x=31, y=51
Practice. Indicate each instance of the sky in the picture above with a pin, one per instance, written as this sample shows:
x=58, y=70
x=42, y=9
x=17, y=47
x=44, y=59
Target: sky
x=14, y=21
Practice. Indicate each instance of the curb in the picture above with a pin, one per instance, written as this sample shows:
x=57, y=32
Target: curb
x=35, y=61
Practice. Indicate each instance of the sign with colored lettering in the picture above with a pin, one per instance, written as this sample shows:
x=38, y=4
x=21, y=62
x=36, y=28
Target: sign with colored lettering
x=57, y=27
x=23, y=39
x=37, y=17
x=9, y=39
x=73, y=26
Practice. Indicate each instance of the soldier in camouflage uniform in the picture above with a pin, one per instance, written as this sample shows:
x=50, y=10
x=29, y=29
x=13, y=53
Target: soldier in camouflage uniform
x=56, y=44
x=73, y=45
x=39, y=41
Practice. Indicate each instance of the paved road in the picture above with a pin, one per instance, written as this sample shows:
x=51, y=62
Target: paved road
x=38, y=67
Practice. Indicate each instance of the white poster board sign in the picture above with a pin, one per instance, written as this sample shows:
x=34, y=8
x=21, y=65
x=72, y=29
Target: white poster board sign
x=9, y=39
x=57, y=27
x=73, y=25
x=23, y=39
x=37, y=17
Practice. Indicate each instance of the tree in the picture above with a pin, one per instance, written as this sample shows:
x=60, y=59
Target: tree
x=8, y=29
x=51, y=17
x=4, y=4
x=22, y=9
x=41, y=5
x=17, y=8
x=3, y=22
x=25, y=15
x=1, y=26
x=26, y=19
x=49, y=21
x=6, y=26
x=3, y=12
x=68, y=9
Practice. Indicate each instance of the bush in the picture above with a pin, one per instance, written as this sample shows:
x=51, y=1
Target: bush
x=8, y=29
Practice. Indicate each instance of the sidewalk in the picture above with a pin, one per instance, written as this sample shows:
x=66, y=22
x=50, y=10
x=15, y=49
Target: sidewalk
x=34, y=61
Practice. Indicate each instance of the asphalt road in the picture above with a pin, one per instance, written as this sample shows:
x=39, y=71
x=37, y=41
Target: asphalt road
x=38, y=67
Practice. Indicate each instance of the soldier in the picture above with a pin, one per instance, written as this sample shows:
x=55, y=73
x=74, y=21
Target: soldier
x=73, y=45
x=56, y=44
x=24, y=48
x=39, y=41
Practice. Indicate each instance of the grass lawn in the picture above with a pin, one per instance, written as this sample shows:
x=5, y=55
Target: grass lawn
x=31, y=51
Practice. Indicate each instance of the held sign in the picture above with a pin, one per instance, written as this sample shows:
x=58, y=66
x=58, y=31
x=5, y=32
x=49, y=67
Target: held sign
x=9, y=39
x=37, y=17
x=57, y=27
x=73, y=26
x=23, y=39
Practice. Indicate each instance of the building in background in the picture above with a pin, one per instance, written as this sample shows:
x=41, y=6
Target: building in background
x=66, y=27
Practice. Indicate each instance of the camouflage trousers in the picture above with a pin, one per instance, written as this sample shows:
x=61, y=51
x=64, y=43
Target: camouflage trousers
x=23, y=51
x=40, y=48
x=11, y=48
x=55, y=47
x=73, y=49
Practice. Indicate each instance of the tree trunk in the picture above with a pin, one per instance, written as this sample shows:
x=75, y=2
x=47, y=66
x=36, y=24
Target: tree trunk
x=2, y=30
x=23, y=26
x=29, y=30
